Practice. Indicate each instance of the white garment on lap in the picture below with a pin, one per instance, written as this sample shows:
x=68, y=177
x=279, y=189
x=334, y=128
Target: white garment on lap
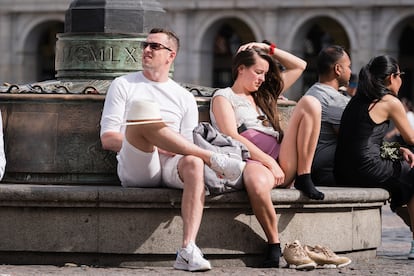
x=170, y=175
x=130, y=169
x=132, y=173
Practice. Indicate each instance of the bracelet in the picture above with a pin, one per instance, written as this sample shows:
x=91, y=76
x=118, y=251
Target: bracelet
x=272, y=49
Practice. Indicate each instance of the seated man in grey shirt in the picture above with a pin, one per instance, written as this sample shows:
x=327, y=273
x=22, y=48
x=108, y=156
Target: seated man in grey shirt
x=334, y=71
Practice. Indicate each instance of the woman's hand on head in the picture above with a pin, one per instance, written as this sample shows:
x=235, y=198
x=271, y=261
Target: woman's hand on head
x=259, y=45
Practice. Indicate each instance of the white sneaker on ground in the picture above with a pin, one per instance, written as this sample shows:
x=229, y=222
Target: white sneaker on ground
x=191, y=259
x=226, y=167
x=411, y=254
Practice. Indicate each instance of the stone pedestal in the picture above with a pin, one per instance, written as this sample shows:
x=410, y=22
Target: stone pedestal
x=102, y=37
x=54, y=138
x=97, y=55
x=114, y=16
x=142, y=227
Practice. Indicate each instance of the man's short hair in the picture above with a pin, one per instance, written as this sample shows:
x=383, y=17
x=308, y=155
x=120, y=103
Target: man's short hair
x=328, y=57
x=171, y=35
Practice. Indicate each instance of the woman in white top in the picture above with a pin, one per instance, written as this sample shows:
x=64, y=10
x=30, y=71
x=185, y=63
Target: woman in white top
x=277, y=157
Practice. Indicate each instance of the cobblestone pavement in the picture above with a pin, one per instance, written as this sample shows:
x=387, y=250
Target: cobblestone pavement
x=391, y=260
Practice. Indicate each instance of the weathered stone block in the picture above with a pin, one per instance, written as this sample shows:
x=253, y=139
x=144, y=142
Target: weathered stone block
x=143, y=226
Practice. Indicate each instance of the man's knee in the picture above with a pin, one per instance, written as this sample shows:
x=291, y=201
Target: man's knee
x=257, y=183
x=191, y=171
x=133, y=135
x=310, y=103
x=190, y=164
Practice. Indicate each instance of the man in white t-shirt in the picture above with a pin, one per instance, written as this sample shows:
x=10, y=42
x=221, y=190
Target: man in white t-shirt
x=157, y=153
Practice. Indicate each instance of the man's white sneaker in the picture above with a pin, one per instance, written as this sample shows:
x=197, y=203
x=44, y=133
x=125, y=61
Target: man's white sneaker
x=191, y=259
x=226, y=167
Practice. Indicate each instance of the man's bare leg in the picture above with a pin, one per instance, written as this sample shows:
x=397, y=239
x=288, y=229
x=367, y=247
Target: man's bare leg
x=191, y=170
x=148, y=136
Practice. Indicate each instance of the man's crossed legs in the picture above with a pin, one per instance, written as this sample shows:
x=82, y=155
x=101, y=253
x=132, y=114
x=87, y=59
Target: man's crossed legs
x=182, y=165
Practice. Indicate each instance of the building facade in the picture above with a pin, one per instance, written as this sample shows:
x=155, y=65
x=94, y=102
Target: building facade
x=211, y=31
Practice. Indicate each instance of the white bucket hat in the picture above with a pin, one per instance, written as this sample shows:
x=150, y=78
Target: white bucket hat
x=143, y=112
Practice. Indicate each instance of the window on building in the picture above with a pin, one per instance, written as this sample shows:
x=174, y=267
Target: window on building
x=406, y=61
x=226, y=43
x=46, y=51
x=322, y=32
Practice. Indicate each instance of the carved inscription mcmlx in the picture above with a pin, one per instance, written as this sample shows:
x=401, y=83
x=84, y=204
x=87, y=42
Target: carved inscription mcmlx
x=92, y=55
x=114, y=54
x=87, y=54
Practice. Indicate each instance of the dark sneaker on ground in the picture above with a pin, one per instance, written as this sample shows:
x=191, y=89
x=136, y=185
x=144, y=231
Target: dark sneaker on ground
x=273, y=254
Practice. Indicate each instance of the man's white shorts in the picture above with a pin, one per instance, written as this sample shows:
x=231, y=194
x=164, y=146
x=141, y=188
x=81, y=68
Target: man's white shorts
x=147, y=169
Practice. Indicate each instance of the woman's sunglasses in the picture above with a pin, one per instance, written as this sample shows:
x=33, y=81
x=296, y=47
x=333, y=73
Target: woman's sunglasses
x=265, y=121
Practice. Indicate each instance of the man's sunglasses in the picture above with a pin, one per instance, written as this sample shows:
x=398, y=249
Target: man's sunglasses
x=154, y=46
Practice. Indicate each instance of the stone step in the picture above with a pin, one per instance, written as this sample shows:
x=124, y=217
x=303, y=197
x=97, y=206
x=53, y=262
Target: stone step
x=112, y=225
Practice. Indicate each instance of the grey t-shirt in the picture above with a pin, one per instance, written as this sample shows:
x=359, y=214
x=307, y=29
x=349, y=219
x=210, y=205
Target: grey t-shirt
x=333, y=104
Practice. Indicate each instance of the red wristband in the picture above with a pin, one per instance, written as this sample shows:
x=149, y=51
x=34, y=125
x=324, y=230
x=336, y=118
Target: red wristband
x=272, y=49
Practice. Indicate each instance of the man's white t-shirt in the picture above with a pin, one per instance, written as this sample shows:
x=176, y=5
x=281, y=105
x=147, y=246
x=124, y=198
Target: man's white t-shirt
x=177, y=104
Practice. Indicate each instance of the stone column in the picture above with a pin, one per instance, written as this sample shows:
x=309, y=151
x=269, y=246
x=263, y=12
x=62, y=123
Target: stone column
x=101, y=39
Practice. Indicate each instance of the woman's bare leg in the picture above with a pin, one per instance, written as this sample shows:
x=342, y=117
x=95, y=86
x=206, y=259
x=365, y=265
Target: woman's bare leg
x=259, y=182
x=298, y=146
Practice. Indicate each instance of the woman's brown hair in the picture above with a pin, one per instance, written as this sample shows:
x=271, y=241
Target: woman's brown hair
x=268, y=93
